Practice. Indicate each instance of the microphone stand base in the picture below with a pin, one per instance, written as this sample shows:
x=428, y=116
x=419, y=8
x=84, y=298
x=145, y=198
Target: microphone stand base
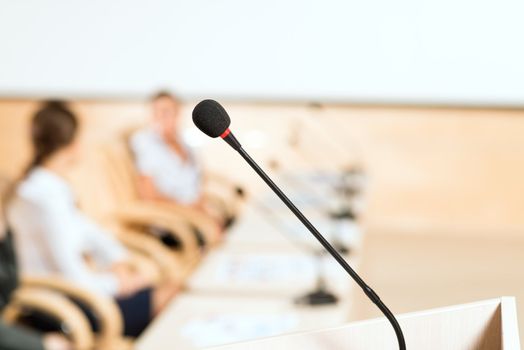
x=317, y=297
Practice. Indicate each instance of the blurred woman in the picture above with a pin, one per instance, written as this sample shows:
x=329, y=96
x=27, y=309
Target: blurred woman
x=14, y=337
x=53, y=237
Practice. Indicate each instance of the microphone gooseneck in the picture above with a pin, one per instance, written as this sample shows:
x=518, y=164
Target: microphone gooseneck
x=209, y=120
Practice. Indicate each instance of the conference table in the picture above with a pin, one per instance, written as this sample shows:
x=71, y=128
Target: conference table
x=269, y=225
x=196, y=321
x=246, y=289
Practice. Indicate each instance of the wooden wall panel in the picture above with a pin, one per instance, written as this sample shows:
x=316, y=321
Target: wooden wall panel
x=430, y=170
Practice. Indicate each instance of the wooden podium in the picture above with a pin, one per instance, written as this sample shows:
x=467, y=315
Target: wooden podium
x=486, y=325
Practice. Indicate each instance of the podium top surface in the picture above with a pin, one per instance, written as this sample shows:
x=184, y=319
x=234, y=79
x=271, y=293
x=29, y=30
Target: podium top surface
x=485, y=325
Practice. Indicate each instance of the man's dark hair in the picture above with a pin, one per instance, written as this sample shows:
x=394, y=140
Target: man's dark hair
x=165, y=94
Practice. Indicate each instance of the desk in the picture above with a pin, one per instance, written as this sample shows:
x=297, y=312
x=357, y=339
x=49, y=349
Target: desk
x=195, y=321
x=269, y=228
x=280, y=272
x=245, y=289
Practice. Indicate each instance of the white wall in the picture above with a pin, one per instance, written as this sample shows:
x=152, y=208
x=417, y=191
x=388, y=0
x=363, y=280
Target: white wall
x=414, y=51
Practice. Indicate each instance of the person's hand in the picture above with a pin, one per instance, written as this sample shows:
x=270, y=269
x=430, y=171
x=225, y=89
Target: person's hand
x=133, y=283
x=121, y=268
x=130, y=282
x=55, y=341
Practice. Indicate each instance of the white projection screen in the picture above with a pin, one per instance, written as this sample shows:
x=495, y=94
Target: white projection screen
x=458, y=52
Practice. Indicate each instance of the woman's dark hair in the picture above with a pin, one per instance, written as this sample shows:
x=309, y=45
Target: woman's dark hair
x=53, y=127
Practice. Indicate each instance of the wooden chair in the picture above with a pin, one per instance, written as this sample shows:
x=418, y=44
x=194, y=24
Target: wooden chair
x=150, y=256
x=122, y=176
x=53, y=304
x=110, y=335
x=52, y=296
x=217, y=188
x=167, y=266
x=131, y=221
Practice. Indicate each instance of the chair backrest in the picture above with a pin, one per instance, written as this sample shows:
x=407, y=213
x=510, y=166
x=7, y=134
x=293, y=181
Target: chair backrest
x=4, y=184
x=8, y=266
x=8, y=269
x=121, y=168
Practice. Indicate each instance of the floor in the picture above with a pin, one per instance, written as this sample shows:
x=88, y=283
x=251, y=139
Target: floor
x=425, y=271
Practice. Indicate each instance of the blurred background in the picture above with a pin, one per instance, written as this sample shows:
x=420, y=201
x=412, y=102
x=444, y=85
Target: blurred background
x=397, y=125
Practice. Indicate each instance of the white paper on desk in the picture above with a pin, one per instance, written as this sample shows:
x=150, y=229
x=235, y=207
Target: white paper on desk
x=308, y=190
x=230, y=328
x=269, y=270
x=347, y=232
x=264, y=268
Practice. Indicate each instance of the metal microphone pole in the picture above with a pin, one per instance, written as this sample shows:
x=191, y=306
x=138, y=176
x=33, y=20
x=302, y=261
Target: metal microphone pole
x=231, y=140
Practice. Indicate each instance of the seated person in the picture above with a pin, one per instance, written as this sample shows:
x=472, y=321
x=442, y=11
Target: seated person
x=18, y=338
x=168, y=170
x=52, y=236
x=14, y=337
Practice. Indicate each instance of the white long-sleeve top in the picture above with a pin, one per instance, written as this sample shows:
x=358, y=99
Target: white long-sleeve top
x=52, y=237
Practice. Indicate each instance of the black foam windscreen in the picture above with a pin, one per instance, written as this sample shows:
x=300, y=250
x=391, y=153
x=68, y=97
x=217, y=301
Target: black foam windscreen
x=211, y=118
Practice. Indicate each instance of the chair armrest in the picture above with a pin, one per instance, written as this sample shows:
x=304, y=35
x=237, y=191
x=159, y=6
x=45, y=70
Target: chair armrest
x=224, y=192
x=145, y=266
x=223, y=180
x=204, y=223
x=55, y=305
x=120, y=167
x=172, y=267
x=144, y=214
x=224, y=187
x=104, y=308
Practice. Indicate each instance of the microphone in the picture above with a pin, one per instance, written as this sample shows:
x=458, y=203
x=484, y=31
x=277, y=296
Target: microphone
x=212, y=119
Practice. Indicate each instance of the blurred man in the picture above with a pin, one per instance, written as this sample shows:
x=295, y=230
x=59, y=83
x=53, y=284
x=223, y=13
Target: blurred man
x=168, y=169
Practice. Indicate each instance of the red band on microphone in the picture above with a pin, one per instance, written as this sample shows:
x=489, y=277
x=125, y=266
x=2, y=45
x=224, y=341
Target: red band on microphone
x=225, y=133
